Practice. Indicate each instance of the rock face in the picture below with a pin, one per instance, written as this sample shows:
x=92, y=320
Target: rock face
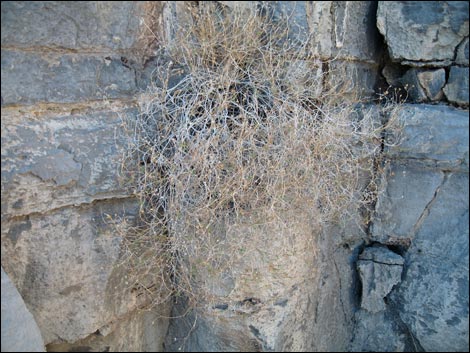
x=20, y=333
x=423, y=30
x=68, y=76
x=380, y=269
x=456, y=89
x=424, y=213
x=433, y=297
x=71, y=69
x=309, y=311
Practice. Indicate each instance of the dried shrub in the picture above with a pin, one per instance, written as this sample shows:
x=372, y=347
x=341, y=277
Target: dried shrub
x=249, y=135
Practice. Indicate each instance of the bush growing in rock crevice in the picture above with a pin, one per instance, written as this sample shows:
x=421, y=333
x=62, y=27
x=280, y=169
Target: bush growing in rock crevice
x=250, y=135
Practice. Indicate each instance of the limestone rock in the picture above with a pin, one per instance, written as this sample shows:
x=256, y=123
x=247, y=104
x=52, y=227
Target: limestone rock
x=408, y=190
x=60, y=160
x=432, y=82
x=139, y=331
x=433, y=297
x=380, y=269
x=20, y=333
x=29, y=77
x=423, y=30
x=420, y=84
x=64, y=266
x=343, y=30
x=311, y=311
x=379, y=332
x=463, y=56
x=77, y=25
x=433, y=135
x=457, y=90
x=353, y=79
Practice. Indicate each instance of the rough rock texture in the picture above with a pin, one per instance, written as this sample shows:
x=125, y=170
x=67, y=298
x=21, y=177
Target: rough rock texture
x=436, y=135
x=78, y=25
x=60, y=157
x=345, y=30
x=433, y=297
x=423, y=30
x=60, y=160
x=361, y=78
x=421, y=85
x=463, y=56
x=63, y=78
x=68, y=75
x=424, y=214
x=63, y=263
x=379, y=269
x=20, y=333
x=277, y=311
x=140, y=331
x=380, y=332
x=457, y=88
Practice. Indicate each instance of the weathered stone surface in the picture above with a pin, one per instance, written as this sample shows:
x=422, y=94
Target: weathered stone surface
x=438, y=135
x=433, y=297
x=419, y=84
x=344, y=30
x=139, y=331
x=72, y=25
x=423, y=30
x=457, y=90
x=20, y=333
x=63, y=78
x=407, y=192
x=432, y=83
x=413, y=87
x=63, y=264
x=276, y=310
x=380, y=269
x=463, y=56
x=59, y=161
x=379, y=332
x=355, y=33
x=353, y=79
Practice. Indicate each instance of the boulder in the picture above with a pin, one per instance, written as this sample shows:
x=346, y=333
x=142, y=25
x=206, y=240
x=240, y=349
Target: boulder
x=61, y=160
x=423, y=31
x=30, y=77
x=456, y=89
x=379, y=269
x=433, y=297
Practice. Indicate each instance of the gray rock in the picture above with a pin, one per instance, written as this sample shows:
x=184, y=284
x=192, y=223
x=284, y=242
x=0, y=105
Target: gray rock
x=463, y=56
x=379, y=269
x=456, y=89
x=433, y=297
x=355, y=33
x=20, y=333
x=60, y=160
x=64, y=266
x=393, y=73
x=379, y=332
x=353, y=79
x=138, y=331
x=433, y=135
x=423, y=30
x=63, y=78
x=311, y=311
x=334, y=29
x=421, y=85
x=432, y=82
x=407, y=192
x=412, y=85
x=72, y=25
